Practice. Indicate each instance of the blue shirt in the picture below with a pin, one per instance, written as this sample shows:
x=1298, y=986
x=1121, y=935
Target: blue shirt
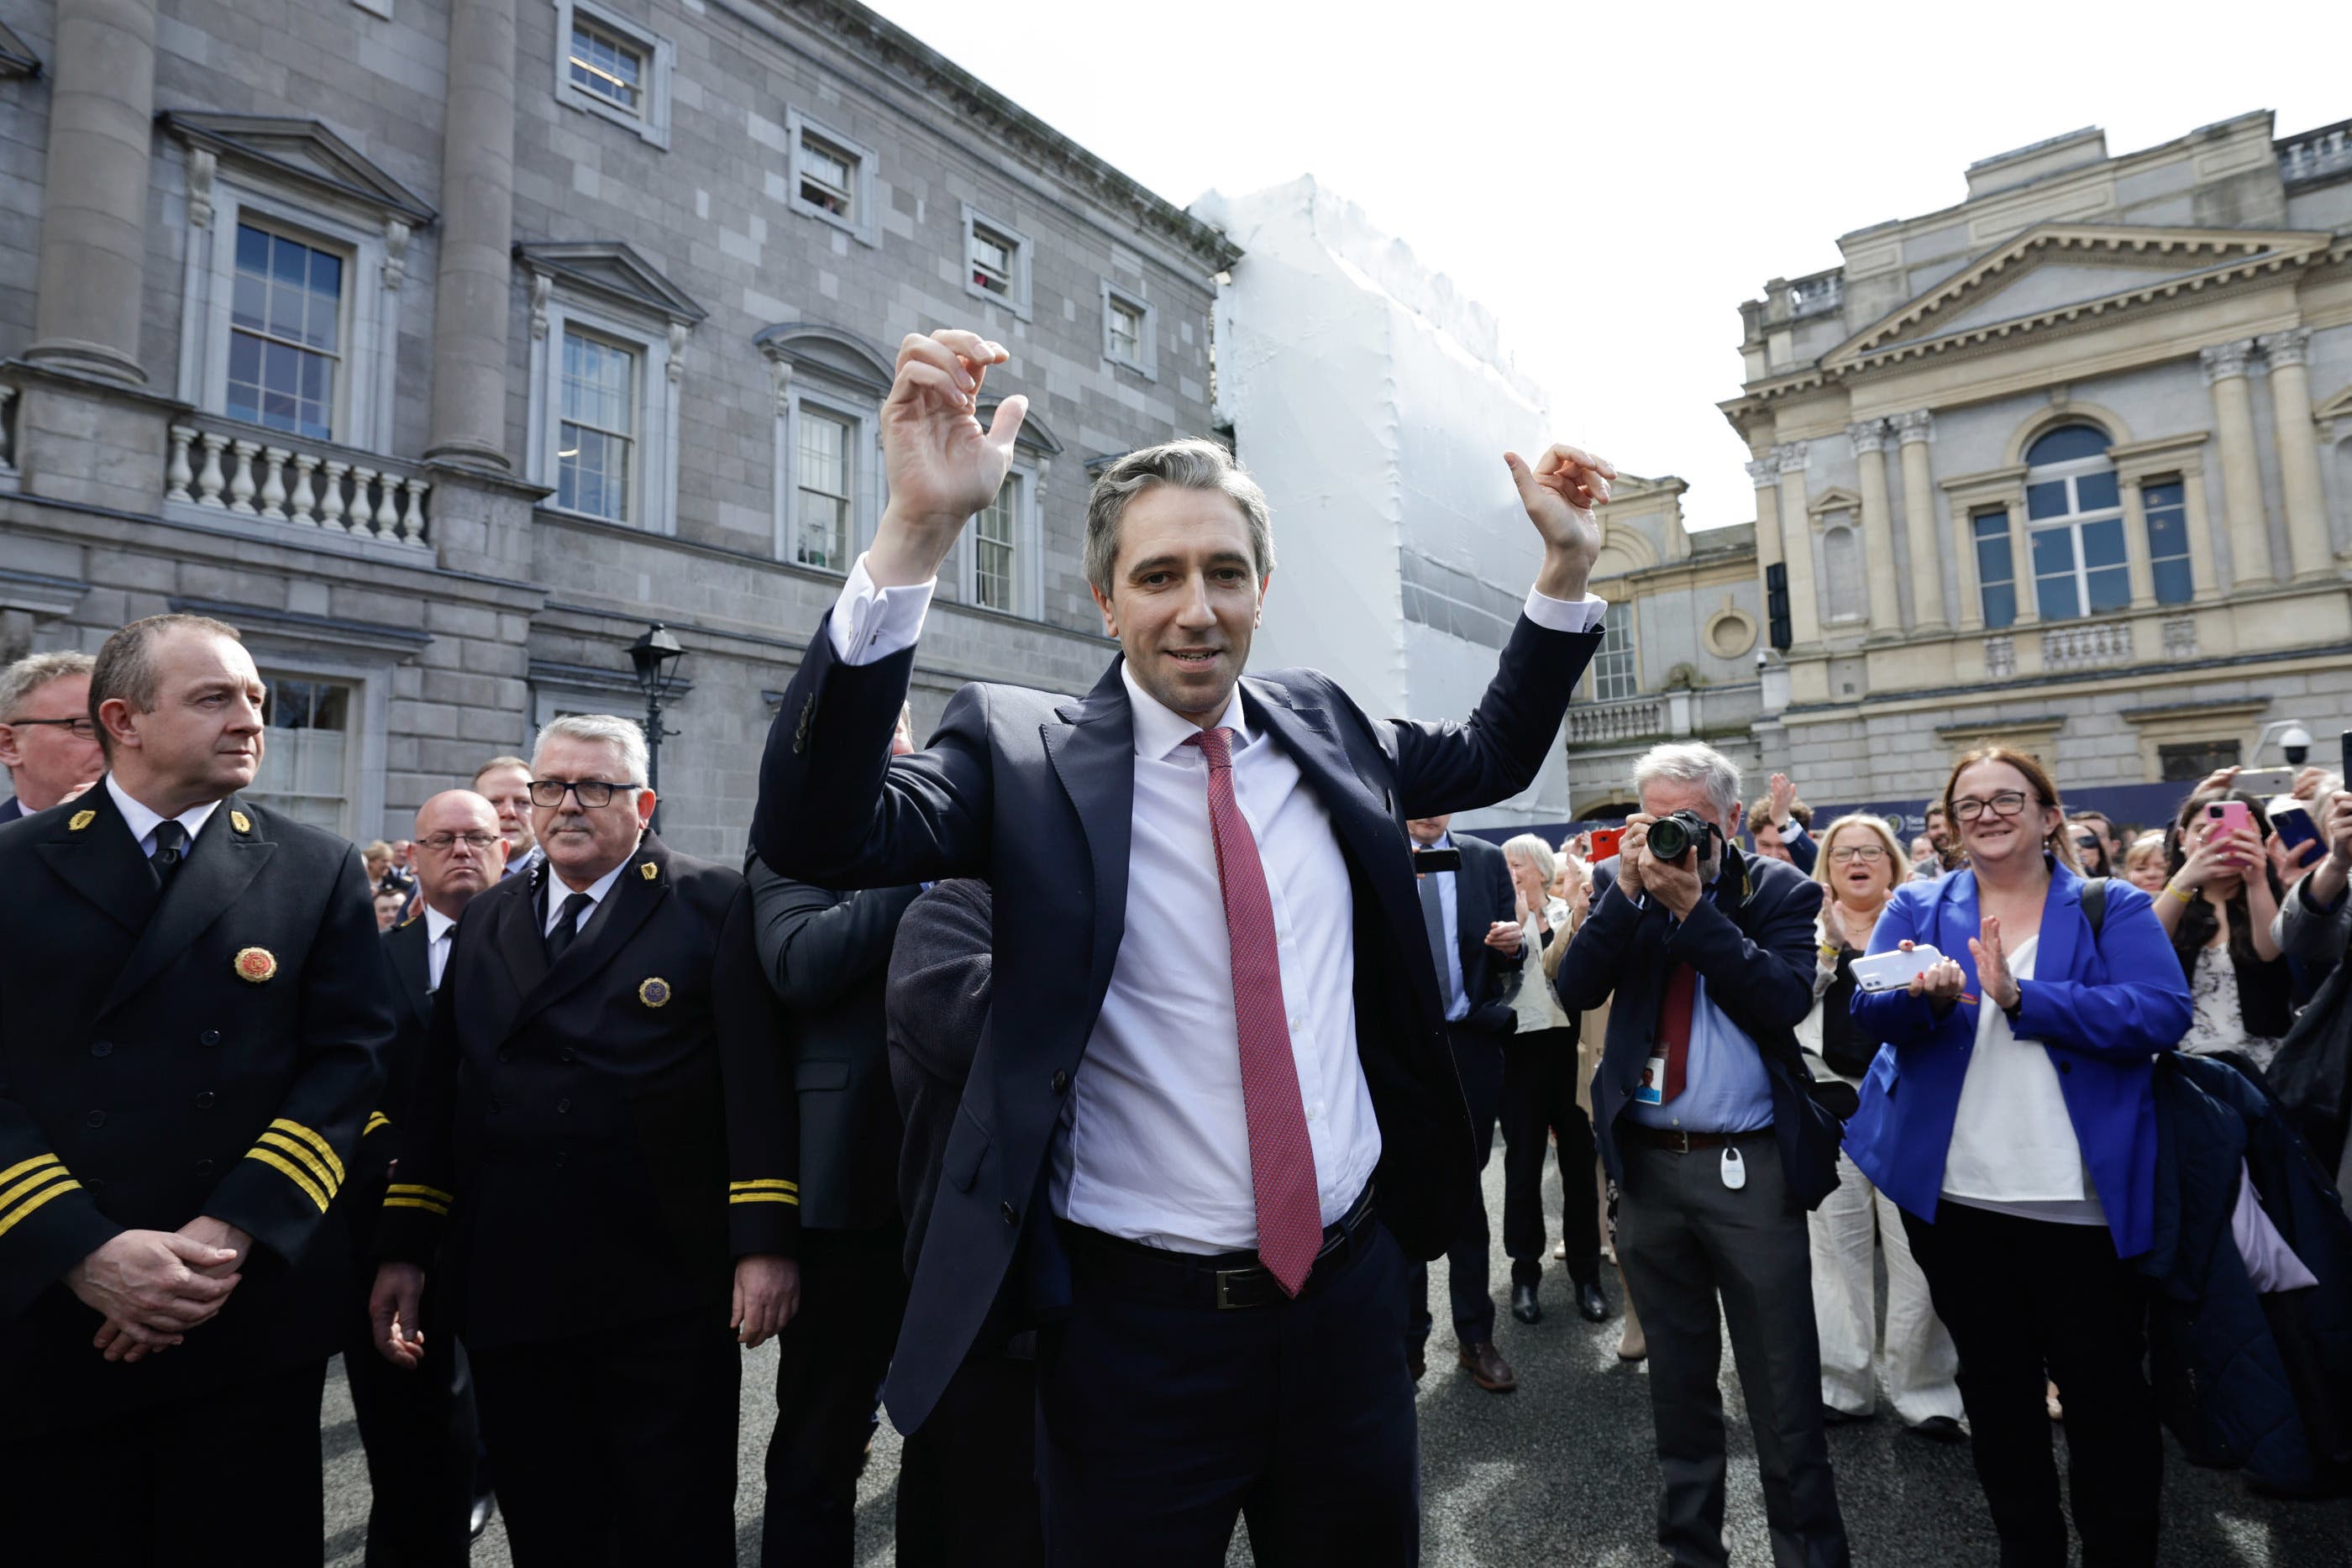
x=1457, y=1000
x=1725, y=1086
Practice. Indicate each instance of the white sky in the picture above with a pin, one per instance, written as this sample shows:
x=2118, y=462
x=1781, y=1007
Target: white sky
x=1612, y=181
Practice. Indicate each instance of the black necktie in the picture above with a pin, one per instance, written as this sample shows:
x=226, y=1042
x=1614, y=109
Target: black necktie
x=567, y=925
x=170, y=849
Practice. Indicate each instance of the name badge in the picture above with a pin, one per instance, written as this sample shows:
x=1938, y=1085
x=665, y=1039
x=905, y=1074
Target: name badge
x=1651, y=1091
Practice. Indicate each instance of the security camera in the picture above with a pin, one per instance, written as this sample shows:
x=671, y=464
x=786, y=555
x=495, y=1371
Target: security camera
x=2296, y=744
x=1763, y=660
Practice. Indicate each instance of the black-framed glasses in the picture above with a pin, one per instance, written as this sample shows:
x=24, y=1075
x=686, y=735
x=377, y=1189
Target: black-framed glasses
x=2007, y=803
x=441, y=843
x=84, y=728
x=1871, y=853
x=592, y=793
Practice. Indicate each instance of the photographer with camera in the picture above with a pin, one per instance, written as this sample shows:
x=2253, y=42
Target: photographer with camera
x=1703, y=1112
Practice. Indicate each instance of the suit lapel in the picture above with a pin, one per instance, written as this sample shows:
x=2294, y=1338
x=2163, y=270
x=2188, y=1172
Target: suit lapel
x=1093, y=753
x=1469, y=931
x=1957, y=923
x=634, y=896
x=412, y=960
x=101, y=861
x=521, y=945
x=221, y=864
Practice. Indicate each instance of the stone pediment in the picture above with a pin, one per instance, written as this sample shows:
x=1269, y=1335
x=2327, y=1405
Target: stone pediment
x=302, y=152
x=2059, y=272
x=832, y=353
x=612, y=270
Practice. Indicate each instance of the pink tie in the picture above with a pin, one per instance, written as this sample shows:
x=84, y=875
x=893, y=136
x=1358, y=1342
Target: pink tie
x=1282, y=1160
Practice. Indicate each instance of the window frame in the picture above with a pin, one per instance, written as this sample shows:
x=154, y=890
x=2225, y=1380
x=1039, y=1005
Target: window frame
x=278, y=657
x=654, y=482
x=864, y=465
x=2005, y=537
x=355, y=715
x=1628, y=648
x=1146, y=361
x=632, y=504
x=2187, y=554
x=1027, y=575
x=862, y=222
x=2071, y=472
x=339, y=390
x=652, y=121
x=1017, y=298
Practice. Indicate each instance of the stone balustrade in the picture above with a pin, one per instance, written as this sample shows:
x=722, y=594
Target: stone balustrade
x=331, y=489
x=2000, y=657
x=1597, y=723
x=1816, y=296
x=2082, y=645
x=2325, y=150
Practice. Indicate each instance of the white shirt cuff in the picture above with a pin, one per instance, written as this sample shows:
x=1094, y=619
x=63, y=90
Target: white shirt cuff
x=1565, y=614
x=870, y=623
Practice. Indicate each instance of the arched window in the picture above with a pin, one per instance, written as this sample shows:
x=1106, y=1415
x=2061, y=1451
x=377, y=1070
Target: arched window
x=2074, y=525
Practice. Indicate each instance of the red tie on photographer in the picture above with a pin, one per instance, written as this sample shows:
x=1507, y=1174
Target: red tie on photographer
x=1674, y=1028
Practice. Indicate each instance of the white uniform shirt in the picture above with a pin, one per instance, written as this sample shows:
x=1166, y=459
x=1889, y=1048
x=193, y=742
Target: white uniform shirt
x=558, y=890
x=437, y=927
x=143, y=821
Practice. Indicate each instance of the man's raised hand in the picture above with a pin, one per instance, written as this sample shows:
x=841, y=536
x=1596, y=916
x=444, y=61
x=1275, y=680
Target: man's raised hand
x=942, y=466
x=1560, y=494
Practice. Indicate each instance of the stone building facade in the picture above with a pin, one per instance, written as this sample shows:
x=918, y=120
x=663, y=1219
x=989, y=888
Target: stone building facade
x=441, y=345
x=2066, y=466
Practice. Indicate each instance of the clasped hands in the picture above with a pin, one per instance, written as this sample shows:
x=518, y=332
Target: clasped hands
x=1945, y=982
x=152, y=1286
x=1673, y=884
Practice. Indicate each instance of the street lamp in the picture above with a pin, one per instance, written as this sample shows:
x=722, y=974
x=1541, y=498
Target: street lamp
x=656, y=656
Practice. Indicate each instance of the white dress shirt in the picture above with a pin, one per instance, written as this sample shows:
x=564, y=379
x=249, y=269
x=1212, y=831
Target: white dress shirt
x=143, y=821
x=558, y=890
x=1154, y=1138
x=2013, y=1148
x=437, y=927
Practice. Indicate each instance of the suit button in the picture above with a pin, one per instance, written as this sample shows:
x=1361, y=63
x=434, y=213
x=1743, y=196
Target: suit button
x=1012, y=1214
x=563, y=1107
x=203, y=1167
x=560, y=1158
x=210, y=1036
x=101, y=1048
x=1061, y=1081
x=95, y=1119
x=492, y=1107
x=566, y=1055
x=505, y=1055
x=204, y=1100
x=2065, y=1067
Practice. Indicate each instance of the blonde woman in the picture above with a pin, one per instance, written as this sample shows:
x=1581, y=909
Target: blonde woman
x=1862, y=863
x=1540, y=1101
x=2147, y=864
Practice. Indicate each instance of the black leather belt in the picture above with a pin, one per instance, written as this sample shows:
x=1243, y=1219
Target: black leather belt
x=1229, y=1281
x=1683, y=1143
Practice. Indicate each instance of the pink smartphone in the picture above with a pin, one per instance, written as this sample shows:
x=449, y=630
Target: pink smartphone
x=2225, y=817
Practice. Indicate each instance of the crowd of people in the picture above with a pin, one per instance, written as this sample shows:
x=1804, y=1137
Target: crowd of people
x=1120, y=1184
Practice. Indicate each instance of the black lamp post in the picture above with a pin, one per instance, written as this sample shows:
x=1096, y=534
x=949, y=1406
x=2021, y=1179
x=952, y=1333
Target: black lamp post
x=656, y=656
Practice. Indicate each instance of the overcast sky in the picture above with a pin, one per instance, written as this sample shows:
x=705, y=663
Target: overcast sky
x=1613, y=182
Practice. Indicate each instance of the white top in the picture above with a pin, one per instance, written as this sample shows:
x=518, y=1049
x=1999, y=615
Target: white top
x=143, y=821
x=2215, y=1022
x=437, y=927
x=558, y=890
x=1154, y=1139
x=2013, y=1148
x=1536, y=1005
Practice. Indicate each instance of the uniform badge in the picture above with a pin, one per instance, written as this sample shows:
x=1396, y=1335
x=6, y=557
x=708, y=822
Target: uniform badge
x=655, y=992
x=81, y=819
x=240, y=822
x=647, y=871
x=256, y=963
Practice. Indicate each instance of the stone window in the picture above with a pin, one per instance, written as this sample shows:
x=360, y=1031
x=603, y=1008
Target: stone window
x=607, y=66
x=996, y=558
x=996, y=262
x=1129, y=332
x=286, y=332
x=832, y=177
x=1996, y=568
x=306, y=760
x=825, y=510
x=2187, y=762
x=1614, y=675
x=1841, y=571
x=596, y=467
x=2165, y=504
x=2075, y=525
x=828, y=384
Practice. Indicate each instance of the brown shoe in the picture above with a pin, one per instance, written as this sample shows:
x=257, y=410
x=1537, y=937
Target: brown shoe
x=1488, y=1368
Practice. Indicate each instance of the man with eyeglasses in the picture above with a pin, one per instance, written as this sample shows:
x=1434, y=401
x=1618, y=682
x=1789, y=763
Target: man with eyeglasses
x=48, y=741
x=600, y=1171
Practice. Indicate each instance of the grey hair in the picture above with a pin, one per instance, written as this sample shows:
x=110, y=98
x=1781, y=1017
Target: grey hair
x=1192, y=464
x=620, y=733
x=34, y=671
x=1539, y=853
x=1690, y=762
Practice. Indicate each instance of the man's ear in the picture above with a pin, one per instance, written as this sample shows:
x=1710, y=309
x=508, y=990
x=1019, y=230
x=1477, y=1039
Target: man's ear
x=1263, y=584
x=1110, y=616
x=647, y=801
x=12, y=751
x=115, y=717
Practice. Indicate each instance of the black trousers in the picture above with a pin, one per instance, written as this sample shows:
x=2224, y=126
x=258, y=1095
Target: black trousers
x=421, y=1436
x=1162, y=1421
x=830, y=1363
x=1478, y=1059
x=2020, y=1296
x=968, y=1475
x=232, y=1478
x=1540, y=1098
x=617, y=1448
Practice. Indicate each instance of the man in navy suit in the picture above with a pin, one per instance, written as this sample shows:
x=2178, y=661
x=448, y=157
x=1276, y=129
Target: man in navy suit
x=1215, y=1017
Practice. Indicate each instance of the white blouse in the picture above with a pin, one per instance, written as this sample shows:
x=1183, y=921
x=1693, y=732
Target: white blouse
x=2013, y=1148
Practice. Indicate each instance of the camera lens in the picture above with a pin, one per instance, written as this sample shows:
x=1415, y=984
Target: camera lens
x=1670, y=837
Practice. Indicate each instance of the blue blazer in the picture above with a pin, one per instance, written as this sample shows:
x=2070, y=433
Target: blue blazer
x=2106, y=1010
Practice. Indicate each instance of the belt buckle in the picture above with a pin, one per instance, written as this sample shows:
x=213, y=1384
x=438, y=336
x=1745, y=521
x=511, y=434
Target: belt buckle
x=1225, y=1304
x=1682, y=1135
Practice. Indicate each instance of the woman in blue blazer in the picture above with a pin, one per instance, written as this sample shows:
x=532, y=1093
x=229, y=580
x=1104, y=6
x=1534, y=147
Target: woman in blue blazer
x=2011, y=1113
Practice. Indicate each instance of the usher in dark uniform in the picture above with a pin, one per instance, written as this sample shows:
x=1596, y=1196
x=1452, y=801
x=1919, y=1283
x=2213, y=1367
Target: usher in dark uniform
x=201, y=1041
x=602, y=1136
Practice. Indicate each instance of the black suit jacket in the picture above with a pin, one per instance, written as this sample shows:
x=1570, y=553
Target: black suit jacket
x=1483, y=894
x=606, y=1134
x=828, y=956
x=1035, y=794
x=1752, y=938
x=212, y=1049
x=11, y=809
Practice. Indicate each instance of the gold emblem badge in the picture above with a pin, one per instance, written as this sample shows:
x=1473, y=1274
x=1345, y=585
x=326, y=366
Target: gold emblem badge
x=647, y=871
x=655, y=992
x=240, y=822
x=81, y=819
x=256, y=963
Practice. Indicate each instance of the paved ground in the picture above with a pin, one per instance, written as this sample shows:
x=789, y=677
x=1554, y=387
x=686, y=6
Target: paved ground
x=1561, y=1473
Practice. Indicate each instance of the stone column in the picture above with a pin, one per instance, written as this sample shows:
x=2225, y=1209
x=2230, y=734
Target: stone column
x=2299, y=487
x=1797, y=546
x=1914, y=430
x=1869, y=438
x=1764, y=473
x=470, y=309
x=2241, y=481
x=94, y=201
x=2140, y=564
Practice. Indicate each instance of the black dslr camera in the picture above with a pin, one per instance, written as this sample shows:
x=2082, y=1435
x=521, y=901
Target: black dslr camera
x=1671, y=837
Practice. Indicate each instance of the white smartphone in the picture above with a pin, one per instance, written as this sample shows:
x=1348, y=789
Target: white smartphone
x=1892, y=971
x=2265, y=781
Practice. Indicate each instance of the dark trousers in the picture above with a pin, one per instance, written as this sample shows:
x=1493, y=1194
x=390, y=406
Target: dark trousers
x=1162, y=1421
x=968, y=1475
x=617, y=1448
x=1685, y=1240
x=1478, y=1059
x=418, y=1428
x=2020, y=1296
x=1539, y=1103
x=830, y=1363
x=232, y=1478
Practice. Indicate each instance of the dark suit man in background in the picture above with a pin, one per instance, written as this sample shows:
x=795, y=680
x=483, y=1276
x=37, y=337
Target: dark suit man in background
x=827, y=954
x=1214, y=1012
x=504, y=783
x=48, y=741
x=967, y=1477
x=419, y=1429
x=193, y=1013
x=1475, y=946
x=1701, y=1108
x=604, y=1128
